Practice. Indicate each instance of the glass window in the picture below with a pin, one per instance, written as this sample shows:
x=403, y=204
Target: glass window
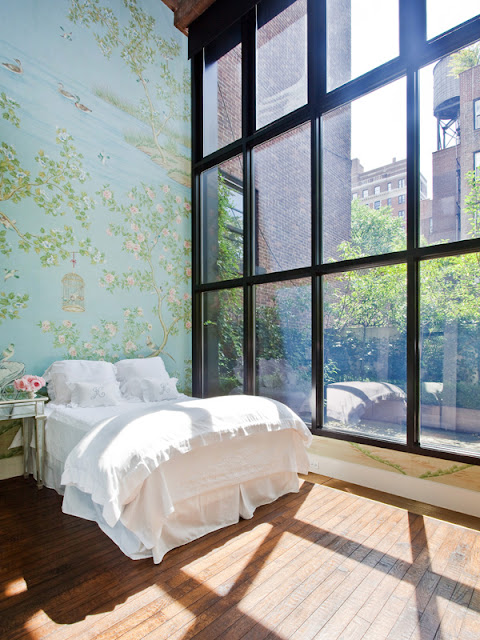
x=222, y=91
x=476, y=165
x=347, y=136
x=389, y=186
x=377, y=190
x=442, y=15
x=401, y=183
x=351, y=30
x=401, y=199
x=389, y=202
x=284, y=343
x=282, y=196
x=223, y=340
x=401, y=213
x=450, y=353
x=445, y=134
x=476, y=113
x=365, y=352
x=365, y=193
x=376, y=204
x=222, y=221
x=354, y=196
x=281, y=59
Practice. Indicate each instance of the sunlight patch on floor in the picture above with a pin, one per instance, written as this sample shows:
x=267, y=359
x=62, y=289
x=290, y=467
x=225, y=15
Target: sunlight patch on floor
x=14, y=587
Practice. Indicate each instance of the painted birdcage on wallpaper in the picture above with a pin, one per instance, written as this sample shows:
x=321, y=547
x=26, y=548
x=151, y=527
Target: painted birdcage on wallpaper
x=73, y=287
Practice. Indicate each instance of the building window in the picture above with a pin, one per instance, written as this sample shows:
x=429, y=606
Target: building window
x=287, y=269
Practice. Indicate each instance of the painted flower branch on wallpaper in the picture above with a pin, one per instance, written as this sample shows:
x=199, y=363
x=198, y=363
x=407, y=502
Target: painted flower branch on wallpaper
x=150, y=231
x=145, y=253
x=54, y=189
x=165, y=101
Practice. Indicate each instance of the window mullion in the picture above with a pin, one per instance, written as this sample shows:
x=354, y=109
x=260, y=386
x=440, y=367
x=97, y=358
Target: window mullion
x=413, y=218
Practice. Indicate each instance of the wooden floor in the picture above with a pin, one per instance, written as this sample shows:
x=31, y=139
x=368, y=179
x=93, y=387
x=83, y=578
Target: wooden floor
x=323, y=563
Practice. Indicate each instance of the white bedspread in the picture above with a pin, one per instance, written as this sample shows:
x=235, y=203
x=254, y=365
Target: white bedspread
x=113, y=460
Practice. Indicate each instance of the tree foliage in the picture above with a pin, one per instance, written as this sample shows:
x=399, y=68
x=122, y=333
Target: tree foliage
x=464, y=59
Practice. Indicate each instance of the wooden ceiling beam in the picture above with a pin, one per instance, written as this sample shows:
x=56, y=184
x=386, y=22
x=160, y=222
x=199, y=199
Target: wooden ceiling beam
x=186, y=11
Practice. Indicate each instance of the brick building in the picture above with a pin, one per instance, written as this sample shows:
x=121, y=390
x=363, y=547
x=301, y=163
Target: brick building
x=457, y=110
x=384, y=186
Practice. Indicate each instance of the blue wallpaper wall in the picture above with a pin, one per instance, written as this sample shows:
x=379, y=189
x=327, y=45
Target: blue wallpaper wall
x=95, y=183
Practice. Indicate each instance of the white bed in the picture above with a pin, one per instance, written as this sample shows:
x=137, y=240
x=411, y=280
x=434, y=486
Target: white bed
x=156, y=475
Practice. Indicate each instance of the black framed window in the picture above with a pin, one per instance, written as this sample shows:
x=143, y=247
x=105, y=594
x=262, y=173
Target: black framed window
x=361, y=314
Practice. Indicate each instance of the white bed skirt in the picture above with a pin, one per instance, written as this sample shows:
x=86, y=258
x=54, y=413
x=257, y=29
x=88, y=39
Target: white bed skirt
x=192, y=518
x=183, y=499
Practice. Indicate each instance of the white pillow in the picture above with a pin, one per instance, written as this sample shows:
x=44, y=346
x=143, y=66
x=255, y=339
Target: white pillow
x=140, y=368
x=64, y=372
x=150, y=389
x=94, y=394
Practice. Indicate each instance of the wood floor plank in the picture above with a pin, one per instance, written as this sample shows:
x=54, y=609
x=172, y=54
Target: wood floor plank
x=281, y=620
x=164, y=577
x=201, y=598
x=281, y=579
x=325, y=563
x=441, y=543
x=237, y=621
x=167, y=571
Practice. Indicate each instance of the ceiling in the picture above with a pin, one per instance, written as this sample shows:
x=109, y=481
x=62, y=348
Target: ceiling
x=186, y=11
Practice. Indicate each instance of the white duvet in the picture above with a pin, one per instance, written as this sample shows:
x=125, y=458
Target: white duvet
x=113, y=460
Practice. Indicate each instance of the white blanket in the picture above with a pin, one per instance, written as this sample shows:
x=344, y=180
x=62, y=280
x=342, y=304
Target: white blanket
x=113, y=460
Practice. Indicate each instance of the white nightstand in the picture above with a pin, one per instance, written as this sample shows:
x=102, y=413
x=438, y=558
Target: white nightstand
x=28, y=409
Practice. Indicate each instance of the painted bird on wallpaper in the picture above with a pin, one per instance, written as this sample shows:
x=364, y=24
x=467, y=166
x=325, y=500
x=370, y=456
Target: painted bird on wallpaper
x=150, y=344
x=14, y=68
x=8, y=352
x=103, y=158
x=10, y=273
x=81, y=106
x=66, y=35
x=65, y=93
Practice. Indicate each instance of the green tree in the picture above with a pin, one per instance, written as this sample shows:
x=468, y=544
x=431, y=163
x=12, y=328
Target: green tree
x=464, y=59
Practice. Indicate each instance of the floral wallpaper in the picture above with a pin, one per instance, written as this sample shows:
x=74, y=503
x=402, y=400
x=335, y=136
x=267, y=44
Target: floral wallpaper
x=94, y=184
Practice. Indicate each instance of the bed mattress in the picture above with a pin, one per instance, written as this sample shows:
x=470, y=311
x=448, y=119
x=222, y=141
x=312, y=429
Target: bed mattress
x=206, y=474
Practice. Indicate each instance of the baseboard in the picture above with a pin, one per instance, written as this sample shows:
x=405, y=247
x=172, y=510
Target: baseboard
x=434, y=493
x=11, y=467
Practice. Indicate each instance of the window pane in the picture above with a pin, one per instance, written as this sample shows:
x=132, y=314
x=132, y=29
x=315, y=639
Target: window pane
x=282, y=196
x=222, y=91
x=365, y=352
x=450, y=353
x=223, y=342
x=281, y=59
x=222, y=221
x=361, y=35
x=448, y=205
x=442, y=15
x=284, y=343
x=364, y=142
